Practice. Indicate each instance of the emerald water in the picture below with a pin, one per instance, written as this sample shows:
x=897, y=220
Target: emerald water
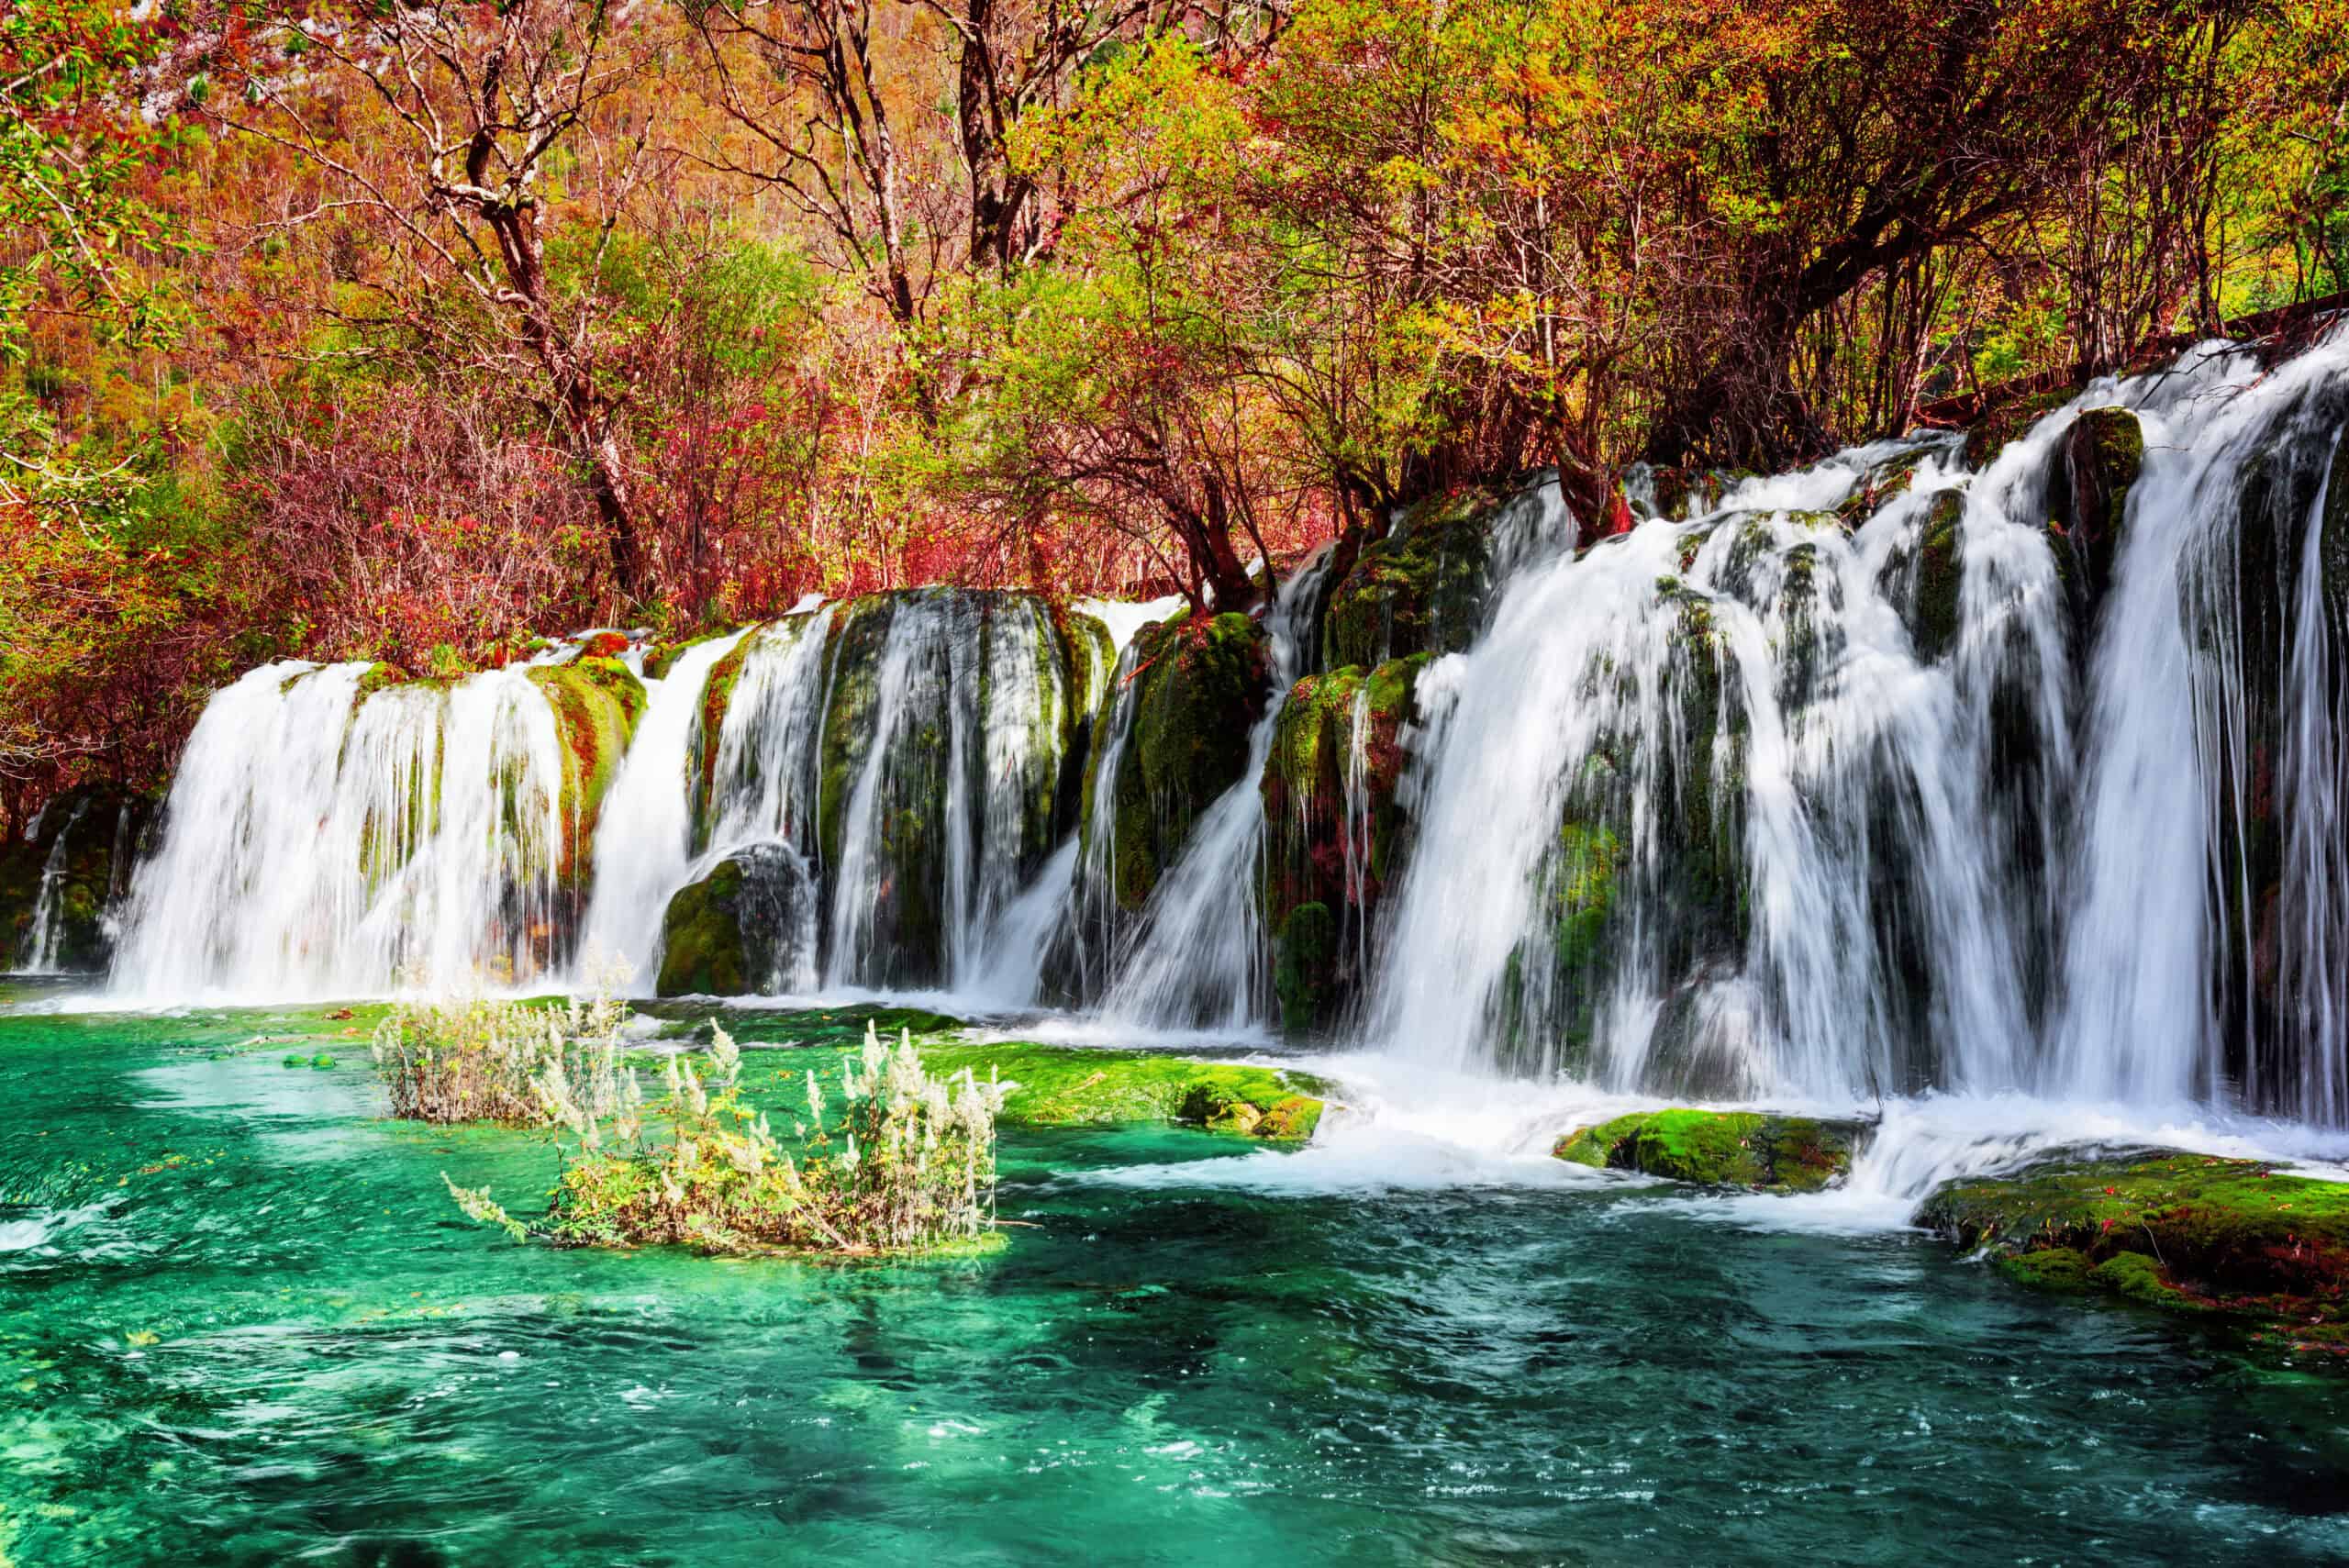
x=243, y=1324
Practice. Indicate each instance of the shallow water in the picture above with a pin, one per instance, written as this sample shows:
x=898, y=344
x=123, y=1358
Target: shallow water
x=241, y=1323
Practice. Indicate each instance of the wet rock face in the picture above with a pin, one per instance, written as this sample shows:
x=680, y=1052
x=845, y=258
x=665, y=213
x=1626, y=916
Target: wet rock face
x=1200, y=684
x=596, y=702
x=1335, y=828
x=86, y=844
x=1421, y=589
x=1732, y=1149
x=2232, y=1238
x=746, y=927
x=2100, y=458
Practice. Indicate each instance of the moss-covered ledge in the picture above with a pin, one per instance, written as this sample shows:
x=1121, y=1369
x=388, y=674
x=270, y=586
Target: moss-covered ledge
x=1720, y=1149
x=1074, y=1086
x=2235, y=1239
x=1057, y=1086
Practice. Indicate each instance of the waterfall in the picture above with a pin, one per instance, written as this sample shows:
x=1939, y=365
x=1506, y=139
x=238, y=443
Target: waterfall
x=1197, y=957
x=1821, y=792
x=42, y=937
x=319, y=841
x=888, y=772
x=1899, y=772
x=645, y=839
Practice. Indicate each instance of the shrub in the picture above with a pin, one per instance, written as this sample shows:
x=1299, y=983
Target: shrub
x=907, y=1165
x=482, y=1060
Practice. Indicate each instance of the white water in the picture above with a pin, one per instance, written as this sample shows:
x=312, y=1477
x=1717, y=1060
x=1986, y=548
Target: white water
x=1902, y=887
x=1197, y=957
x=1838, y=863
x=317, y=846
x=41, y=938
x=644, y=834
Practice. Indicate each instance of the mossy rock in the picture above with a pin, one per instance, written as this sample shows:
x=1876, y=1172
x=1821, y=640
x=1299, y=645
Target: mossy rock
x=1075, y=1087
x=2102, y=454
x=709, y=728
x=1732, y=1149
x=103, y=828
x=1199, y=684
x=2235, y=1239
x=701, y=937
x=662, y=657
x=1421, y=589
x=1989, y=435
x=1305, y=782
x=1928, y=576
x=1305, y=967
x=596, y=702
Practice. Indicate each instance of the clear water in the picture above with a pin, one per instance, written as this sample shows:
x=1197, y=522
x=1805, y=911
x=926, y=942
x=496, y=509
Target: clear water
x=1199, y=1353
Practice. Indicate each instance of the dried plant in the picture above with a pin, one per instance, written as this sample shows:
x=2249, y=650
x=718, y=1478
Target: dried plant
x=906, y=1164
x=486, y=1059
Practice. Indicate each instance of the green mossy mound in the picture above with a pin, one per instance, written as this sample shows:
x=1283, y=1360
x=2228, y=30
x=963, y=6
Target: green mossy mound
x=1421, y=589
x=1070, y=1086
x=702, y=951
x=2233, y=1238
x=597, y=703
x=1201, y=684
x=1720, y=1149
x=1057, y=1086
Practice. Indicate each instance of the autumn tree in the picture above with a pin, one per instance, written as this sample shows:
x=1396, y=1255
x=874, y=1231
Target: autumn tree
x=485, y=154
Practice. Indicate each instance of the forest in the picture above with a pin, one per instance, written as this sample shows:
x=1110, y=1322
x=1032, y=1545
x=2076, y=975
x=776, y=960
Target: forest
x=413, y=333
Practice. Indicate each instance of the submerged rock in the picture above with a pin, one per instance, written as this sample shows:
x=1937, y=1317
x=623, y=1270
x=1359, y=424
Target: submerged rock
x=2235, y=1239
x=1731, y=1149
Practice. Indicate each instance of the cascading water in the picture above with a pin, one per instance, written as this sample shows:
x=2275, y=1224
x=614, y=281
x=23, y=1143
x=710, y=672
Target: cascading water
x=319, y=842
x=644, y=839
x=883, y=772
x=1867, y=779
x=42, y=939
x=1197, y=959
x=1767, y=804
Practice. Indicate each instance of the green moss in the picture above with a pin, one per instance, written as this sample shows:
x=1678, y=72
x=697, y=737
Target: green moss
x=1305, y=966
x=1197, y=686
x=2102, y=454
x=701, y=937
x=662, y=657
x=597, y=703
x=2187, y=1232
x=1742, y=1148
x=1419, y=590
x=709, y=726
x=2057, y=1269
x=1070, y=1086
x=1933, y=605
x=1588, y=855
